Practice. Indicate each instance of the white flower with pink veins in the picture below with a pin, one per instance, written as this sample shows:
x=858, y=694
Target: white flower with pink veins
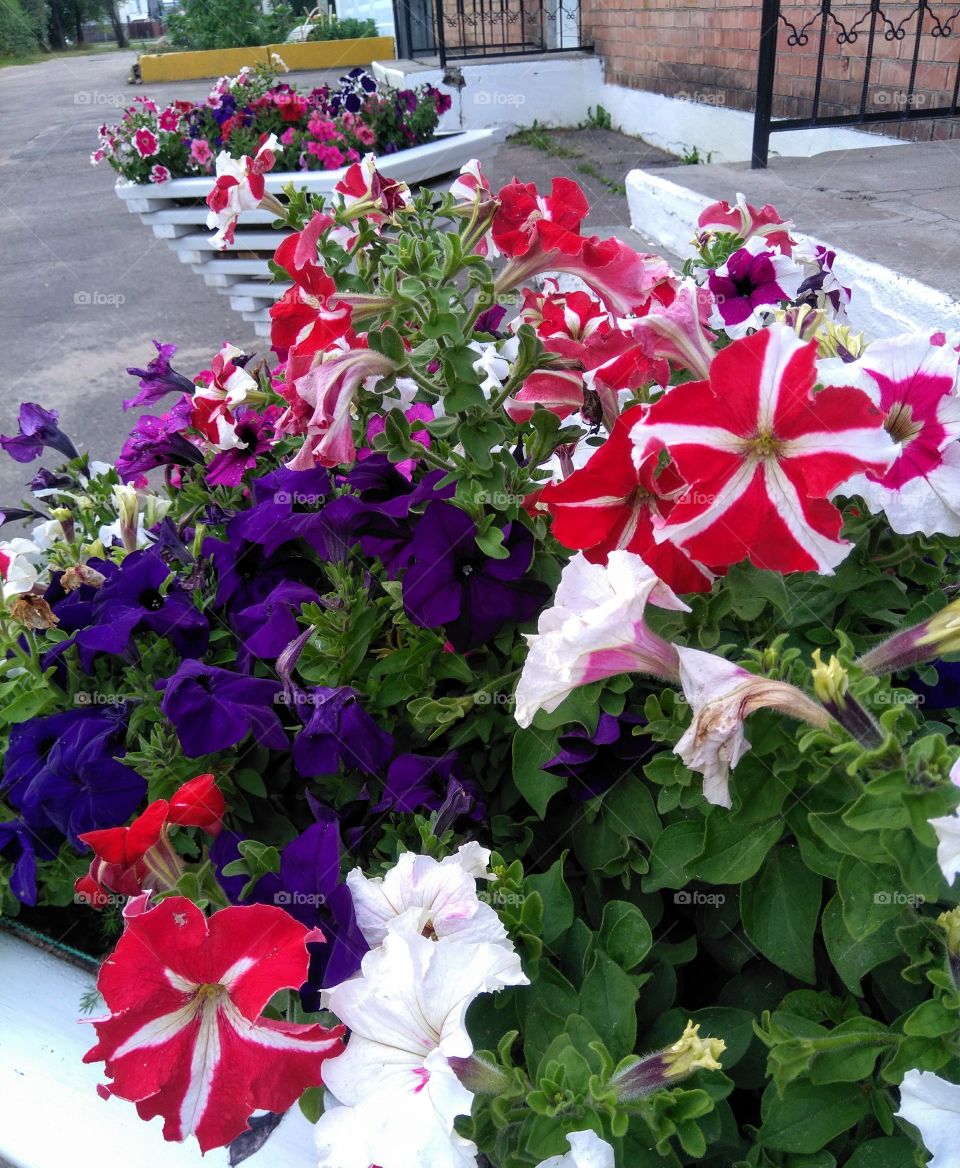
x=587, y=1150
x=438, y=898
x=594, y=630
x=399, y=1092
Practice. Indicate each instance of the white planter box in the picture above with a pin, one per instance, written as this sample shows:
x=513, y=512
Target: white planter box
x=50, y=1113
x=175, y=211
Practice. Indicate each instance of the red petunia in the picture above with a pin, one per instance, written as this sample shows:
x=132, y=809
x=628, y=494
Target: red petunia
x=762, y=453
x=185, y=1037
x=611, y=504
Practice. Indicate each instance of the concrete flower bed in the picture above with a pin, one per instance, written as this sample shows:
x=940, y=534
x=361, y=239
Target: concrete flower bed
x=175, y=211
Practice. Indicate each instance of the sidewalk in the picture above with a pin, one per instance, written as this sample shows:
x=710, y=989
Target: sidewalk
x=896, y=206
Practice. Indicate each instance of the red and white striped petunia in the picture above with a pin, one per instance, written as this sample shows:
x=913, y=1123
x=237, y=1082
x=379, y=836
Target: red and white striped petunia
x=185, y=1037
x=761, y=454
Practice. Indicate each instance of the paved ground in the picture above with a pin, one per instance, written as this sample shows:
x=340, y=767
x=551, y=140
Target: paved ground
x=895, y=205
x=84, y=286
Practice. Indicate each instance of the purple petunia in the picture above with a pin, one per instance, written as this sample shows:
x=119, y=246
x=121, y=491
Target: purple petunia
x=266, y=628
x=158, y=442
x=452, y=585
x=338, y=729
x=753, y=278
x=213, y=708
x=37, y=428
x=254, y=431
x=414, y=782
x=62, y=771
x=135, y=600
x=593, y=762
x=22, y=847
x=158, y=379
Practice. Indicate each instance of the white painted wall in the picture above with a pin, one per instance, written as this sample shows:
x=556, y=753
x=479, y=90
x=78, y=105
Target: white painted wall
x=885, y=302
x=557, y=91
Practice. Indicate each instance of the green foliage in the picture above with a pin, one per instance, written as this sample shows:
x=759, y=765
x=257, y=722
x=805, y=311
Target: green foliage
x=227, y=24
x=343, y=28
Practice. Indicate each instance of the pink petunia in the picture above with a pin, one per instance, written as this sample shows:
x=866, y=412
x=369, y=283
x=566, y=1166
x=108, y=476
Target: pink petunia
x=145, y=143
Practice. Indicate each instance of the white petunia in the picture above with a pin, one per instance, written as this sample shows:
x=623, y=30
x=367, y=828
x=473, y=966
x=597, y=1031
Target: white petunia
x=947, y=828
x=595, y=629
x=932, y=1105
x=587, y=1150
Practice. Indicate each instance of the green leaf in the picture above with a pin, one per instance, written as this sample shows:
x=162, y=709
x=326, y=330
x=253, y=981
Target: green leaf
x=870, y=896
x=732, y=854
x=608, y=1001
x=673, y=854
x=852, y=959
x=557, y=900
x=809, y=1116
x=625, y=934
x=893, y=1152
x=311, y=1104
x=779, y=908
x=531, y=749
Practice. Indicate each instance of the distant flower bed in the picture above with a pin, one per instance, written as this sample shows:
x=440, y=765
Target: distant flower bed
x=343, y=29
x=324, y=129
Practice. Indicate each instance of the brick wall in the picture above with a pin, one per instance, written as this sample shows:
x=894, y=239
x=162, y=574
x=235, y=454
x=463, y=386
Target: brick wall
x=706, y=51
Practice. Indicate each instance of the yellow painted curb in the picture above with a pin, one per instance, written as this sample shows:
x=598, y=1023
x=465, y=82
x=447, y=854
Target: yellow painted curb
x=220, y=62
x=334, y=54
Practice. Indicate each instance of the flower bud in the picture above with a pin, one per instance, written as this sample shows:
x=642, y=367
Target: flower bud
x=926, y=641
x=830, y=681
x=128, y=511
x=668, y=1067
x=950, y=923
x=65, y=518
x=480, y=1076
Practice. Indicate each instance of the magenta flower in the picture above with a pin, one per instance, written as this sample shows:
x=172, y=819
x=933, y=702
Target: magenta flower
x=753, y=278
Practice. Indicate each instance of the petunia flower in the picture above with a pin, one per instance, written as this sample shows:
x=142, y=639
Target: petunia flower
x=137, y=600
x=185, y=1037
x=437, y=898
x=914, y=384
x=721, y=695
x=320, y=405
x=145, y=142
x=754, y=278
x=595, y=629
x=338, y=730
x=612, y=503
x=761, y=454
x=37, y=428
x=452, y=584
x=587, y=1150
x=159, y=441
x=406, y=1013
x=18, y=566
x=254, y=434
x=678, y=331
x=158, y=379
x=21, y=846
x=240, y=187
x=213, y=708
x=128, y=860
x=947, y=828
x=747, y=222
x=932, y=1105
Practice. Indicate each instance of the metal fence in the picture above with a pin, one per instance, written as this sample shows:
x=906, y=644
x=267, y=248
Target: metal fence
x=905, y=39
x=459, y=30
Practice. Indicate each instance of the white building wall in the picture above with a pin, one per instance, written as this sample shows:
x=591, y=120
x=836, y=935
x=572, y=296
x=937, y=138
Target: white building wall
x=379, y=10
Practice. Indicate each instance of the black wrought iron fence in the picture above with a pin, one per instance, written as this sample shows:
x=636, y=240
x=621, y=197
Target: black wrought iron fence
x=458, y=30
x=898, y=62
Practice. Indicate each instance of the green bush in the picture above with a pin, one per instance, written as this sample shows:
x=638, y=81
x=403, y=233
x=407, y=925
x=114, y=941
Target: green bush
x=343, y=29
x=228, y=24
x=20, y=28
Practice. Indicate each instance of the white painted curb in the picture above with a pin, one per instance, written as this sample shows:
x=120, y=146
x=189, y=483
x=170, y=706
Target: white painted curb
x=884, y=301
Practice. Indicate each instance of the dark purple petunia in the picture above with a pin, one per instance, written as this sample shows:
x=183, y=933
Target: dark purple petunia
x=213, y=708
x=406, y=100
x=452, y=585
x=490, y=319
x=22, y=847
x=594, y=762
x=266, y=628
x=245, y=574
x=47, y=480
x=824, y=283
x=752, y=281
x=338, y=729
x=132, y=601
x=38, y=428
x=414, y=782
x=158, y=442
x=254, y=430
x=158, y=379
x=62, y=771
